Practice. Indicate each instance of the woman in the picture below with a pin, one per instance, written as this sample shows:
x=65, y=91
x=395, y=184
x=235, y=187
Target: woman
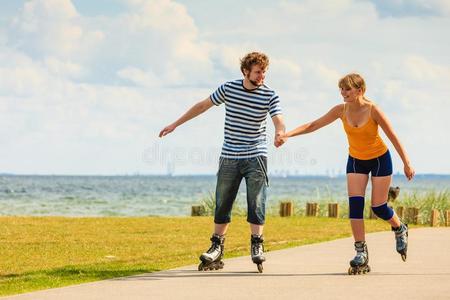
x=367, y=154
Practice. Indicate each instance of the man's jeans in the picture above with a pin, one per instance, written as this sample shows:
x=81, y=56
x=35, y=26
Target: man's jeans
x=229, y=177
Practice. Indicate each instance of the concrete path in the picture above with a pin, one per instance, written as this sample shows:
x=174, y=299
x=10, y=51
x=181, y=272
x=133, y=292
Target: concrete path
x=309, y=272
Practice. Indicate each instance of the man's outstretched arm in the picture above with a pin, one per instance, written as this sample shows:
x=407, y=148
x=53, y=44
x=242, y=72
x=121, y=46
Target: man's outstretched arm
x=194, y=111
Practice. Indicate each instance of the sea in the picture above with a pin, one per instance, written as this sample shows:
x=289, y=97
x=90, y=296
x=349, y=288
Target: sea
x=139, y=195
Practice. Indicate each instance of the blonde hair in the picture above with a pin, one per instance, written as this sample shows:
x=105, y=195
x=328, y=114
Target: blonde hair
x=352, y=80
x=254, y=58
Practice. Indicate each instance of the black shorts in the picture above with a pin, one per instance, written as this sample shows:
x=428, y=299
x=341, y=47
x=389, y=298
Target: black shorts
x=379, y=166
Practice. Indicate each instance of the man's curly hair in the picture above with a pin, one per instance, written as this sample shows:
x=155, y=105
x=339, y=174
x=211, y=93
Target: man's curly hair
x=254, y=58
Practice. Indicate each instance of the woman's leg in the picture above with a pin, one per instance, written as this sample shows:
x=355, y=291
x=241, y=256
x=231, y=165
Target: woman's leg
x=380, y=191
x=356, y=186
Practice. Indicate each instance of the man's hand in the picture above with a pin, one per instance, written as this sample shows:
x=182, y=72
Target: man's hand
x=280, y=139
x=168, y=129
x=197, y=109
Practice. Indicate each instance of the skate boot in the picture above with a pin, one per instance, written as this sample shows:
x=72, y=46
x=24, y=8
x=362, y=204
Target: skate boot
x=359, y=264
x=257, y=251
x=401, y=238
x=212, y=259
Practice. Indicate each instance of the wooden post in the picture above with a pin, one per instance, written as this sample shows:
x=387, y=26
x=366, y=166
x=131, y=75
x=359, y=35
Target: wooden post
x=333, y=210
x=286, y=209
x=312, y=209
x=400, y=212
x=197, y=210
x=412, y=215
x=434, y=217
x=447, y=217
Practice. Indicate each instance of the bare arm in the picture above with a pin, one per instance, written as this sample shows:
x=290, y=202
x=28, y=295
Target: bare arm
x=197, y=109
x=384, y=123
x=326, y=119
x=280, y=129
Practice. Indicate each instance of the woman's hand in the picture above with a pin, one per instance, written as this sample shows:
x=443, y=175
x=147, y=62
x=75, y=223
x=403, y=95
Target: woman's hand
x=280, y=139
x=409, y=171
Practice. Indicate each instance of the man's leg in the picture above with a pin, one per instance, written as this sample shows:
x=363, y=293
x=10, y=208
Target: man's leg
x=255, y=174
x=256, y=229
x=228, y=180
x=220, y=229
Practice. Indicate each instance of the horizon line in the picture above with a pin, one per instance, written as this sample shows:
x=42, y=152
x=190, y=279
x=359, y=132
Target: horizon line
x=137, y=174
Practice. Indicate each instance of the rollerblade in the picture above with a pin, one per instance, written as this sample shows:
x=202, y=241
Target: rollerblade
x=401, y=238
x=257, y=251
x=212, y=259
x=359, y=264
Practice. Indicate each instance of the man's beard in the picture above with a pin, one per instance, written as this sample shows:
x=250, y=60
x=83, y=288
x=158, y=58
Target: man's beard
x=254, y=82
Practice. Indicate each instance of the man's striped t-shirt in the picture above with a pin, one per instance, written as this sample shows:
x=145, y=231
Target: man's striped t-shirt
x=245, y=118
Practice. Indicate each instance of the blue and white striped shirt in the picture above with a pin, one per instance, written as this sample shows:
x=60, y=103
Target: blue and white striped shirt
x=245, y=118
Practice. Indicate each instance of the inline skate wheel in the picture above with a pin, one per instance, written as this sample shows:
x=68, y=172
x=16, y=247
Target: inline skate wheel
x=260, y=268
x=200, y=267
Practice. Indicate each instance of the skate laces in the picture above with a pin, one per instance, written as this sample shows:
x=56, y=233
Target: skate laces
x=401, y=236
x=401, y=230
x=257, y=249
x=215, y=245
x=360, y=248
x=257, y=245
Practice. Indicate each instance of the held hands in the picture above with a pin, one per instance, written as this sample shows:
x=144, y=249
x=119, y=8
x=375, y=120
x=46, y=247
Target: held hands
x=409, y=172
x=280, y=139
x=168, y=129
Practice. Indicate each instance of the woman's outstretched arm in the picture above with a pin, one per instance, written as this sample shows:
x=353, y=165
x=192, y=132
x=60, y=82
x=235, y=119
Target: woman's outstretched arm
x=329, y=117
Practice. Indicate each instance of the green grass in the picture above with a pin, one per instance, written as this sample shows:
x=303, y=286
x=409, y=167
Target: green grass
x=46, y=252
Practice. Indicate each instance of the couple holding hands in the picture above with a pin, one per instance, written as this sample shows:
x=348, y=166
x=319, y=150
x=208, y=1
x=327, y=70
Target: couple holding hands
x=244, y=155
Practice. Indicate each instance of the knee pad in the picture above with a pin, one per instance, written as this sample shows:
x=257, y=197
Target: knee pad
x=383, y=211
x=356, y=207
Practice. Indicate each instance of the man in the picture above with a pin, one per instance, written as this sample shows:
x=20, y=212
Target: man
x=244, y=152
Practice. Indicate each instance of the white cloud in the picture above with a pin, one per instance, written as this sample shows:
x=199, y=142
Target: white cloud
x=63, y=68
x=413, y=7
x=325, y=73
x=72, y=83
x=3, y=37
x=167, y=39
x=139, y=77
x=21, y=76
x=418, y=68
x=52, y=28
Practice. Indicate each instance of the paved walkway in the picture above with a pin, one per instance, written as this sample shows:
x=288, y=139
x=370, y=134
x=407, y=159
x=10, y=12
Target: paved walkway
x=309, y=272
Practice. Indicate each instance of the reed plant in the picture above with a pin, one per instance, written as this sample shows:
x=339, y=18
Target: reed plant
x=208, y=204
x=425, y=202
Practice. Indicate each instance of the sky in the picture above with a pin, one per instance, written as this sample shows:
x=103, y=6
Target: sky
x=86, y=86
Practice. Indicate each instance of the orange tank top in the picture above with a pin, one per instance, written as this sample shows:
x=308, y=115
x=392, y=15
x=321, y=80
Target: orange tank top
x=364, y=141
